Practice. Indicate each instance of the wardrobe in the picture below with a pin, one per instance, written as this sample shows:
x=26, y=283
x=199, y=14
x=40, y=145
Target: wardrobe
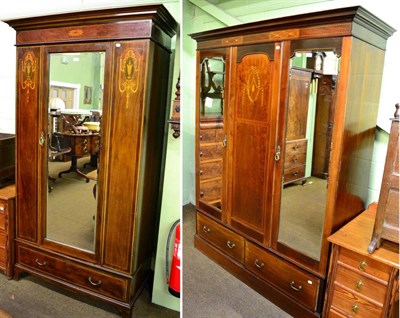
x=94, y=233
x=286, y=115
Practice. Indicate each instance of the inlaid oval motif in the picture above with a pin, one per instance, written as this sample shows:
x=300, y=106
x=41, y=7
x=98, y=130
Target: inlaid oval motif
x=75, y=32
x=253, y=84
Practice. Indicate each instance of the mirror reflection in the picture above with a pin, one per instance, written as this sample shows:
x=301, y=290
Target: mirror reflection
x=211, y=133
x=309, y=123
x=74, y=131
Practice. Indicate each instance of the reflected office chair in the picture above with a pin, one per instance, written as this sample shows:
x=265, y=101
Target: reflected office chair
x=58, y=145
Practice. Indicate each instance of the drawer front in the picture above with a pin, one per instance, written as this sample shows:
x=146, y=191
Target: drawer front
x=207, y=135
x=73, y=273
x=295, y=159
x=2, y=215
x=226, y=240
x=212, y=151
x=210, y=169
x=364, y=264
x=294, y=173
x=296, y=146
x=361, y=284
x=299, y=284
x=210, y=190
x=334, y=314
x=354, y=305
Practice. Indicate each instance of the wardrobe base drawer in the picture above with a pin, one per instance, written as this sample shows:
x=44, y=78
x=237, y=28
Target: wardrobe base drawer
x=73, y=273
x=297, y=283
x=223, y=238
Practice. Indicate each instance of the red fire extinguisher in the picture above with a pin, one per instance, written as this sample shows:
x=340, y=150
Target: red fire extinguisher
x=174, y=277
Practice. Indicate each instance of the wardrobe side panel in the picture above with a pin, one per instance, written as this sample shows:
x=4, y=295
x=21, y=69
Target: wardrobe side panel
x=363, y=93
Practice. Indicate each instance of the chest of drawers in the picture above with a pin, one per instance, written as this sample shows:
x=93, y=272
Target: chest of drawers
x=361, y=284
x=7, y=199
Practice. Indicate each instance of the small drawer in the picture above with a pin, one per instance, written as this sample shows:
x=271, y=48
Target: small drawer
x=207, y=135
x=364, y=264
x=295, y=159
x=210, y=190
x=223, y=238
x=210, y=151
x=73, y=273
x=360, y=283
x=293, y=281
x=295, y=173
x=296, y=146
x=300, y=285
x=210, y=169
x=354, y=305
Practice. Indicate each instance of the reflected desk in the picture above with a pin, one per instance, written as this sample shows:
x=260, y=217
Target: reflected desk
x=81, y=145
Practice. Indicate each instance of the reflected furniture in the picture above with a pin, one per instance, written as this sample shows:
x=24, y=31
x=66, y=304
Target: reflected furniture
x=249, y=119
x=81, y=144
x=7, y=231
x=387, y=217
x=362, y=284
x=135, y=42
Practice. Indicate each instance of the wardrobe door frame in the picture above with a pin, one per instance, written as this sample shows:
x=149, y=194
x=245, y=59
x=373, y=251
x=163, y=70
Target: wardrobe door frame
x=42, y=163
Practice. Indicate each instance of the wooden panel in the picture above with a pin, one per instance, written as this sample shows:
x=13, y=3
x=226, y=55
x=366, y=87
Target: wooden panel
x=124, y=153
x=29, y=64
x=298, y=284
x=251, y=153
x=71, y=272
x=226, y=240
x=353, y=304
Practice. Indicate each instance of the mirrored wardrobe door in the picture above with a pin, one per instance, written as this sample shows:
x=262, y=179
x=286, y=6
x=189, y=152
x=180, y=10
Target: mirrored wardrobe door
x=308, y=133
x=75, y=108
x=212, y=141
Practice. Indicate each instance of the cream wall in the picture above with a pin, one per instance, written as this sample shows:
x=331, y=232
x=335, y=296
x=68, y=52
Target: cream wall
x=171, y=202
x=197, y=20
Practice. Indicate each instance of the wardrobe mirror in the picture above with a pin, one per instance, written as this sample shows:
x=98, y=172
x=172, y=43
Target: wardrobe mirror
x=211, y=130
x=309, y=123
x=74, y=130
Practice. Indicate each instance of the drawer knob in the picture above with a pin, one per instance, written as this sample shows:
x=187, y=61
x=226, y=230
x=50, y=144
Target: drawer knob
x=362, y=265
x=94, y=283
x=359, y=285
x=258, y=263
x=299, y=288
x=40, y=264
x=85, y=149
x=206, y=229
x=201, y=172
x=201, y=194
x=2, y=208
x=294, y=159
x=230, y=244
x=354, y=308
x=295, y=147
x=201, y=154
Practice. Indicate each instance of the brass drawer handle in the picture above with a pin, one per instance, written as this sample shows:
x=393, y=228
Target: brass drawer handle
x=299, y=288
x=206, y=229
x=40, y=264
x=354, y=308
x=362, y=265
x=295, y=147
x=230, y=244
x=85, y=141
x=258, y=263
x=2, y=208
x=359, y=285
x=93, y=283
